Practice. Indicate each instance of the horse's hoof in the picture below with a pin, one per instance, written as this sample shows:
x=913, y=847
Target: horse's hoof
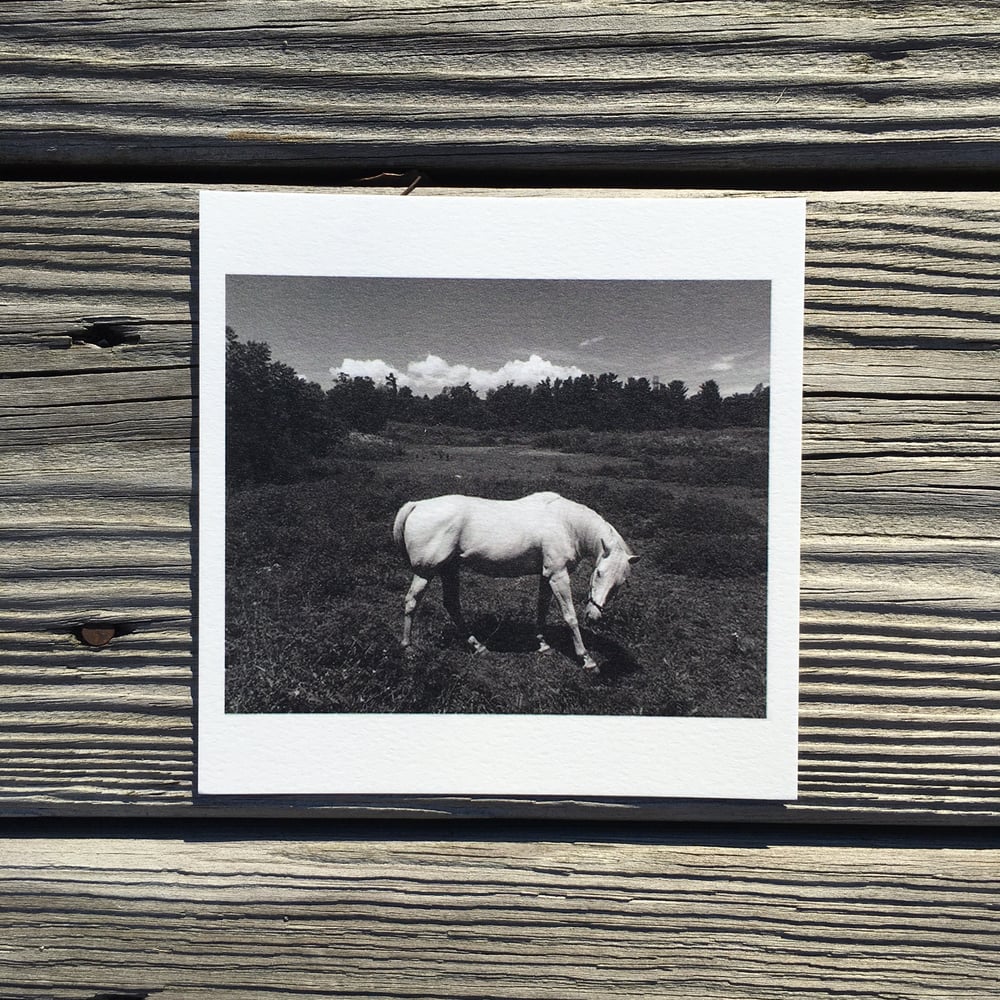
x=590, y=665
x=544, y=647
x=477, y=647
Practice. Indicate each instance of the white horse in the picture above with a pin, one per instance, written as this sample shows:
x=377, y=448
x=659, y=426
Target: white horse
x=543, y=534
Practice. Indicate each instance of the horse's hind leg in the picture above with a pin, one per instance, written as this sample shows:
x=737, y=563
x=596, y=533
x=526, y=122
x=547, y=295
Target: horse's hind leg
x=564, y=596
x=410, y=604
x=452, y=604
x=544, y=599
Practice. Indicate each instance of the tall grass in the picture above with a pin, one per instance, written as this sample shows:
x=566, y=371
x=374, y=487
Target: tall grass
x=315, y=588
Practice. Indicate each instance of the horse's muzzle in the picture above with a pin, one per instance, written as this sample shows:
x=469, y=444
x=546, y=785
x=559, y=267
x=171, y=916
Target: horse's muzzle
x=593, y=613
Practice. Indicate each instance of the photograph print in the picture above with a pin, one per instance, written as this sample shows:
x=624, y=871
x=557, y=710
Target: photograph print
x=496, y=496
x=512, y=495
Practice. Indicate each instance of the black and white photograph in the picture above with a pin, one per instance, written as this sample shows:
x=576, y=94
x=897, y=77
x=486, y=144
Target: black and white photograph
x=496, y=496
x=478, y=496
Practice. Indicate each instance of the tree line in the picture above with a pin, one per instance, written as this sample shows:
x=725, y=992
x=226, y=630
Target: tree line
x=276, y=420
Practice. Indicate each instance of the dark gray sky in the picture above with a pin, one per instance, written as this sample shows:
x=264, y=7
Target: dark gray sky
x=475, y=329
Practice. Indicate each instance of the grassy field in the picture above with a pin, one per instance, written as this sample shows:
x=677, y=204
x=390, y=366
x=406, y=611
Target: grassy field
x=315, y=586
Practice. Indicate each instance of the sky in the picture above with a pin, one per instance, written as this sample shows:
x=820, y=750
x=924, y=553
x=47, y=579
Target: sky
x=434, y=332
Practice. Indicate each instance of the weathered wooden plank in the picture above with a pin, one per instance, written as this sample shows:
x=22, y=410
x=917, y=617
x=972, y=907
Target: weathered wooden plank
x=527, y=913
x=899, y=652
x=866, y=283
x=900, y=707
x=84, y=468
x=914, y=511
x=73, y=350
x=905, y=372
x=525, y=86
x=886, y=717
x=36, y=393
x=921, y=427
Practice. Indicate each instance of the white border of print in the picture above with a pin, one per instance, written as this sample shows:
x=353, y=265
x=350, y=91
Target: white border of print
x=505, y=237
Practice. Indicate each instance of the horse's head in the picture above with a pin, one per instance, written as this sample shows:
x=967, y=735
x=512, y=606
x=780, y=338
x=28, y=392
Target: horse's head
x=614, y=563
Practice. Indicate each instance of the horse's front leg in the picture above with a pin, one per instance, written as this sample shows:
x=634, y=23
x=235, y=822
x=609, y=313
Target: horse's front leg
x=449, y=583
x=544, y=599
x=559, y=582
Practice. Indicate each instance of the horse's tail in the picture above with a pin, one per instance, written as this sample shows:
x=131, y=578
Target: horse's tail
x=400, y=523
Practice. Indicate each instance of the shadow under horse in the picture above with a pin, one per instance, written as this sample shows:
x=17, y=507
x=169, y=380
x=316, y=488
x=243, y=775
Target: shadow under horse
x=506, y=635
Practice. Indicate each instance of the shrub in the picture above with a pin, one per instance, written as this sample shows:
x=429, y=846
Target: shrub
x=368, y=447
x=712, y=556
x=739, y=469
x=579, y=440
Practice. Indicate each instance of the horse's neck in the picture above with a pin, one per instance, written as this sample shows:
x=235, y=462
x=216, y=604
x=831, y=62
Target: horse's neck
x=590, y=528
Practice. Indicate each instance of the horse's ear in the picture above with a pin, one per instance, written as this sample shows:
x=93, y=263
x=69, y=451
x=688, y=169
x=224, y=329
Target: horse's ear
x=605, y=549
x=633, y=558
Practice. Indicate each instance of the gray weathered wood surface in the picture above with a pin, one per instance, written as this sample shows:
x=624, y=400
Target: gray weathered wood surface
x=899, y=690
x=899, y=650
x=630, y=88
x=512, y=912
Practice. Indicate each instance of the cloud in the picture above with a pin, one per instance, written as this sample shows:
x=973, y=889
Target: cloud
x=375, y=369
x=591, y=340
x=433, y=373
x=724, y=364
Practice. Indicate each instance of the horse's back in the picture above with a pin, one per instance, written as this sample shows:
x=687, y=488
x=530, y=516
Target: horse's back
x=497, y=537
x=545, y=497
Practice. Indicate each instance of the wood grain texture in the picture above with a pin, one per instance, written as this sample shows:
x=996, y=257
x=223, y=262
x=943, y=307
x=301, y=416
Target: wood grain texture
x=899, y=652
x=524, y=914
x=336, y=90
